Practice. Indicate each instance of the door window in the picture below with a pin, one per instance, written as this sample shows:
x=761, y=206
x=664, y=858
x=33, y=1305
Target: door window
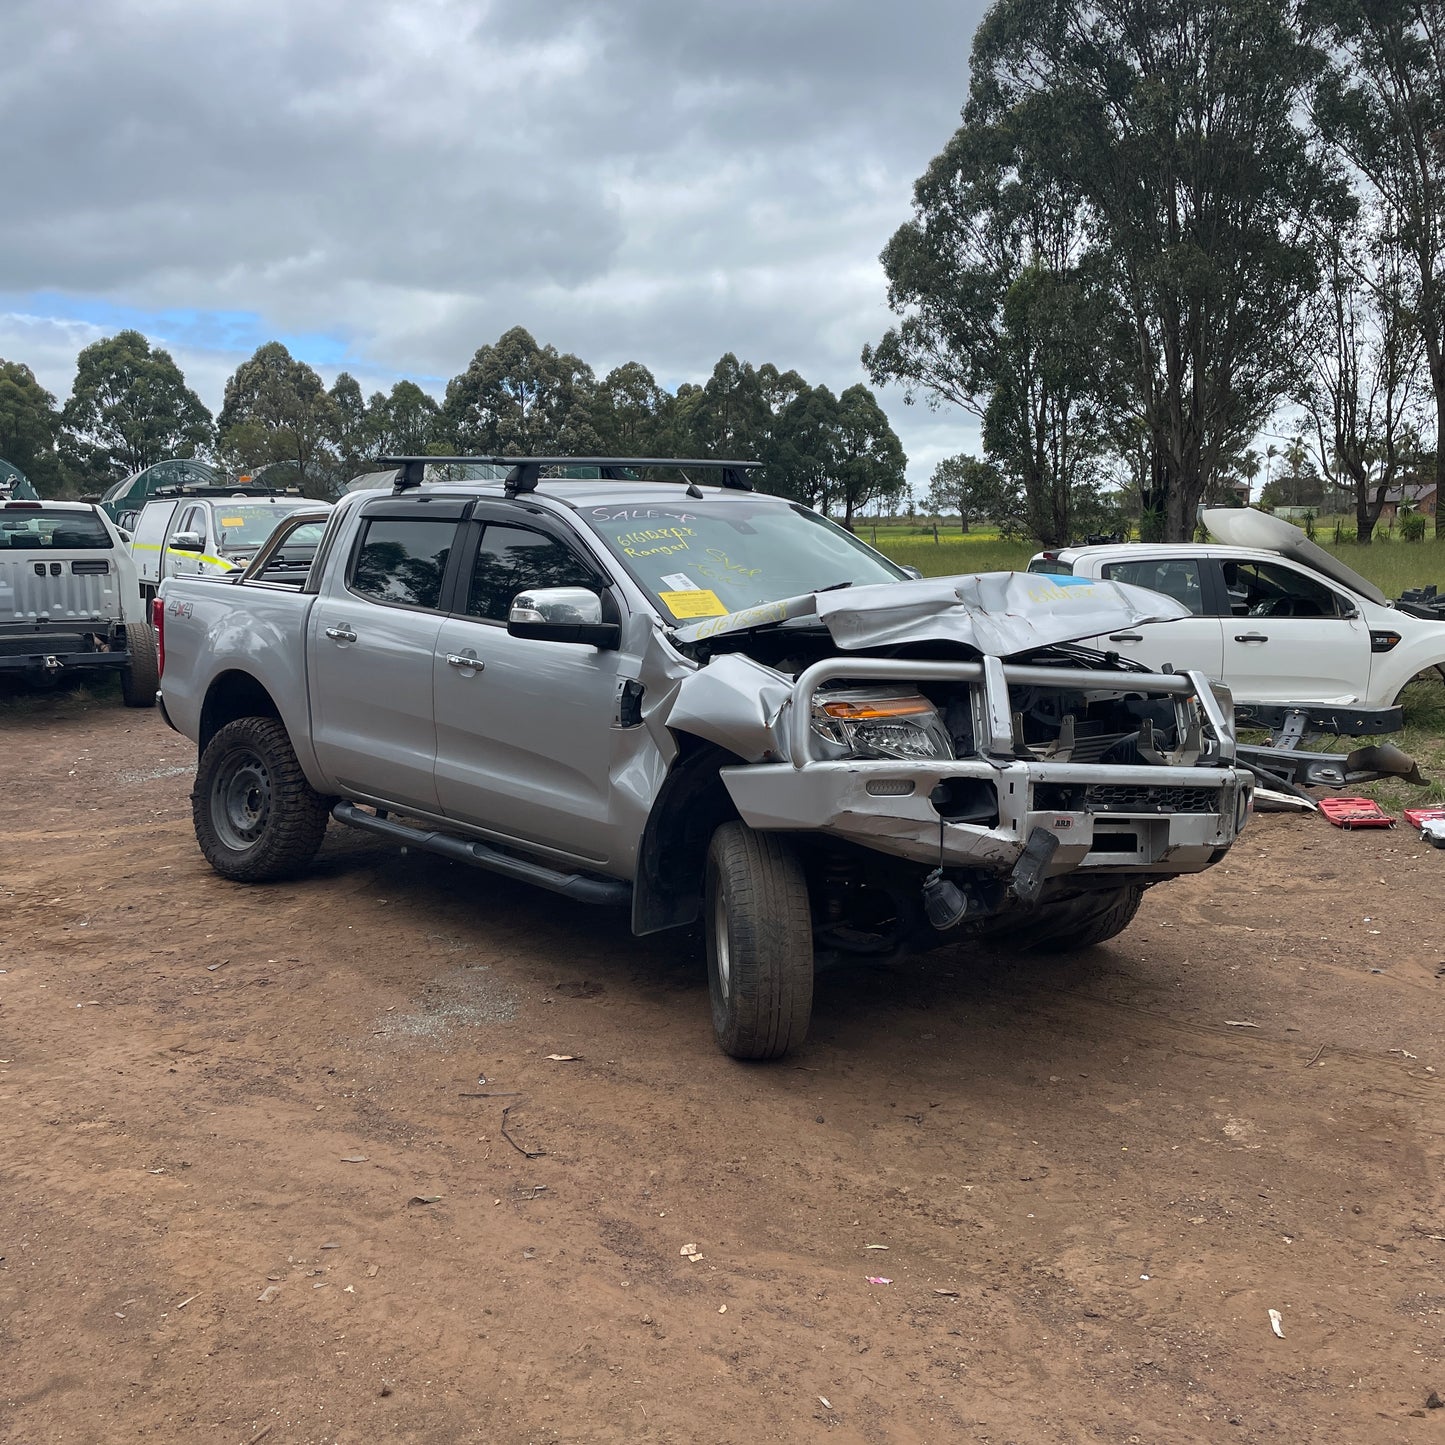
x=512, y=559
x=1176, y=577
x=194, y=521
x=1268, y=589
x=401, y=560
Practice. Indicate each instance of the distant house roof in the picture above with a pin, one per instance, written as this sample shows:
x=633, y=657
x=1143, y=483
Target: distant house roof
x=1411, y=492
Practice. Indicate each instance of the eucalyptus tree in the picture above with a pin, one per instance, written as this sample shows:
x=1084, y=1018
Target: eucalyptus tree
x=1381, y=105
x=517, y=398
x=29, y=425
x=1003, y=313
x=129, y=407
x=276, y=409
x=1166, y=134
x=977, y=490
x=1363, y=383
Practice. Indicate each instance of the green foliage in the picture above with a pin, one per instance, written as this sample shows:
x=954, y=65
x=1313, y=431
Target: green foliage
x=975, y=490
x=869, y=462
x=129, y=408
x=1114, y=245
x=1381, y=105
x=405, y=423
x=1002, y=313
x=1412, y=527
x=520, y=399
x=29, y=424
x=277, y=410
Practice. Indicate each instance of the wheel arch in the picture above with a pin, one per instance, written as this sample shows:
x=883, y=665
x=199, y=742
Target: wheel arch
x=671, y=858
x=234, y=694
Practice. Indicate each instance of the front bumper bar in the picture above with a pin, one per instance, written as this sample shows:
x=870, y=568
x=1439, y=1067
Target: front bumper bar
x=1108, y=818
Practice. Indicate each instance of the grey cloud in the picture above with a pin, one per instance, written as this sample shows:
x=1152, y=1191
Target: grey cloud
x=631, y=179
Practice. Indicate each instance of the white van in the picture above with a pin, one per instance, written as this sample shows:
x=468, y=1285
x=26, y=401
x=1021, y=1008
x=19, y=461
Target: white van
x=208, y=532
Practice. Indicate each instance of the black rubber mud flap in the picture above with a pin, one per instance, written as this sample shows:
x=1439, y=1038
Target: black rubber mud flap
x=1027, y=879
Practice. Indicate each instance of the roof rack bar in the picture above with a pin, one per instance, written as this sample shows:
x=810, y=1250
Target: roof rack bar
x=523, y=473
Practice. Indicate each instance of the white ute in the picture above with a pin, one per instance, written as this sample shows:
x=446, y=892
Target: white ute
x=1277, y=618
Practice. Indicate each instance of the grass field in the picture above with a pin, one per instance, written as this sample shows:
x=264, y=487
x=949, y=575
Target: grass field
x=1393, y=566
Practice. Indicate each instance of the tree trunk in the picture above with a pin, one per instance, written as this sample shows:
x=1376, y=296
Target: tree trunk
x=1439, y=457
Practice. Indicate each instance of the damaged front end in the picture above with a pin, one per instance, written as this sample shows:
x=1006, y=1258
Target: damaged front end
x=933, y=783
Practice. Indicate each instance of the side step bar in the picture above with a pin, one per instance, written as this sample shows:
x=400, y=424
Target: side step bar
x=578, y=886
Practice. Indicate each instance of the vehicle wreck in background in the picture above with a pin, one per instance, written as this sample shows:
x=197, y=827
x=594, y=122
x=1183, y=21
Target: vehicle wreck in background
x=705, y=705
x=1308, y=647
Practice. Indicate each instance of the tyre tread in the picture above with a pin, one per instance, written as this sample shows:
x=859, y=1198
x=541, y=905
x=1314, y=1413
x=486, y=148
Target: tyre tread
x=299, y=812
x=772, y=943
x=140, y=677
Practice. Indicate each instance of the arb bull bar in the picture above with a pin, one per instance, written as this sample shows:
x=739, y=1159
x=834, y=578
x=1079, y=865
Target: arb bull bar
x=988, y=810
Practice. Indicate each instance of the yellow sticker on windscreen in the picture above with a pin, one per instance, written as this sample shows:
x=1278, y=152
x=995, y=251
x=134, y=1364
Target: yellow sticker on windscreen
x=233, y=521
x=701, y=603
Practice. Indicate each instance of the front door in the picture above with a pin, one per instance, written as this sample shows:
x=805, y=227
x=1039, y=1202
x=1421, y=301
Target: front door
x=372, y=643
x=525, y=730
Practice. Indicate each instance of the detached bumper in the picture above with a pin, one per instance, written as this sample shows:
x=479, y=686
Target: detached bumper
x=1137, y=820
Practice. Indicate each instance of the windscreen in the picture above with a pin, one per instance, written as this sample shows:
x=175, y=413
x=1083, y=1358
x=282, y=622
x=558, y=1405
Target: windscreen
x=248, y=524
x=714, y=557
x=52, y=528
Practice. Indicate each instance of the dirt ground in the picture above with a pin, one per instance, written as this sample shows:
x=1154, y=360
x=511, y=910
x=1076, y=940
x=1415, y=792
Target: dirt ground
x=255, y=1184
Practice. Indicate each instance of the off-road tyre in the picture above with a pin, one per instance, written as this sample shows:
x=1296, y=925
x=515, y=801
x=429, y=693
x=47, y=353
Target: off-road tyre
x=759, y=943
x=1091, y=920
x=141, y=676
x=256, y=817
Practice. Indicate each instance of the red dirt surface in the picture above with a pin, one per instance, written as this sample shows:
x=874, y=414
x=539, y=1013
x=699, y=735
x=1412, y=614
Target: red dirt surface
x=1086, y=1180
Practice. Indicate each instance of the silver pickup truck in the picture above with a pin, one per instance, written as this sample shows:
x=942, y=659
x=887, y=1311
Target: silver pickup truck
x=700, y=703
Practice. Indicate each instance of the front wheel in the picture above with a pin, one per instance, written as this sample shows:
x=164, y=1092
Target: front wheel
x=759, y=943
x=256, y=816
x=1085, y=922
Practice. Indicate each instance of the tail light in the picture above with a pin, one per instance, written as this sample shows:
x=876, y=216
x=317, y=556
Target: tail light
x=158, y=621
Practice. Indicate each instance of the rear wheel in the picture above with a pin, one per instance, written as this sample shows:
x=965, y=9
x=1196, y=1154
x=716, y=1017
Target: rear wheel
x=256, y=816
x=759, y=943
x=141, y=676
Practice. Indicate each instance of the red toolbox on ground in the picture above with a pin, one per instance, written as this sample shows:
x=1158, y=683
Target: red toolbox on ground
x=1418, y=817
x=1355, y=813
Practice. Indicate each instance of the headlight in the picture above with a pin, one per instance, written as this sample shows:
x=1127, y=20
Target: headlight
x=881, y=723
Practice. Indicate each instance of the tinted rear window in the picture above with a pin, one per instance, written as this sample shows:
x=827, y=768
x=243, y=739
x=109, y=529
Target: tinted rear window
x=401, y=561
x=1051, y=567
x=50, y=528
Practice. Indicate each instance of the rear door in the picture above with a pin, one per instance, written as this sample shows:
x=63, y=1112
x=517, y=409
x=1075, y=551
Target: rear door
x=148, y=544
x=1190, y=642
x=1291, y=637
x=526, y=730
x=372, y=644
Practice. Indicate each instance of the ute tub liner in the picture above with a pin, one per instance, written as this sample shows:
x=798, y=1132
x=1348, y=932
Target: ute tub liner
x=832, y=797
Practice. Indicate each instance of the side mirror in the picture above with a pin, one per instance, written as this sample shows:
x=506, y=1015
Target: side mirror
x=562, y=614
x=913, y=572
x=186, y=542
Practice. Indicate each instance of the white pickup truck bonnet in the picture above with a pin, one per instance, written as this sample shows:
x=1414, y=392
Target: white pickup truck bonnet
x=1246, y=527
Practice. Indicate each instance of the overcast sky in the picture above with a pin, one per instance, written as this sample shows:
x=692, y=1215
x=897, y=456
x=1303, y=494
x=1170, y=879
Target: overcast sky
x=387, y=186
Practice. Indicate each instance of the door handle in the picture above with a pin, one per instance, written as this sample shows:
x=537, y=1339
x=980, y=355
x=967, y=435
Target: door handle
x=1125, y=637
x=458, y=659
x=341, y=634
x=1250, y=637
